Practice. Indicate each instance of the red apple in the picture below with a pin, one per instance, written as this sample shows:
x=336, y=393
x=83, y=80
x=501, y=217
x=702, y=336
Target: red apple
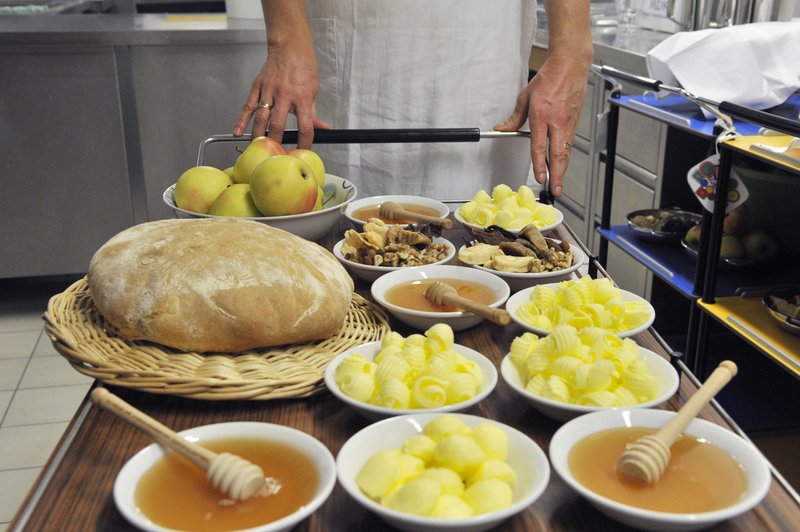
x=256, y=152
x=283, y=185
x=313, y=160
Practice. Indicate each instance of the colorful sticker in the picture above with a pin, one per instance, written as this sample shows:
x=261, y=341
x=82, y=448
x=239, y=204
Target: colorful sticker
x=702, y=179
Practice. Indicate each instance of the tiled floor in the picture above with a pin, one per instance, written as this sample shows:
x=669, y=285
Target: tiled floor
x=39, y=391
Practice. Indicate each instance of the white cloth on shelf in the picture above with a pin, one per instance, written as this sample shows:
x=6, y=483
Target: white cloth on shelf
x=754, y=65
x=423, y=64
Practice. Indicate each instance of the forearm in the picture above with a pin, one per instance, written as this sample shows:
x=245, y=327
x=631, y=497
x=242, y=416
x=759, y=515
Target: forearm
x=286, y=23
x=569, y=30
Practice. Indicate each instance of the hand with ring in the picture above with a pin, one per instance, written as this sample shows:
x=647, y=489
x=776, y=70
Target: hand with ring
x=288, y=81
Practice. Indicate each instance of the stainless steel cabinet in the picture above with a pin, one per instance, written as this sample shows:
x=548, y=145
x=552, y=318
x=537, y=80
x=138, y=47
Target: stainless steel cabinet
x=65, y=179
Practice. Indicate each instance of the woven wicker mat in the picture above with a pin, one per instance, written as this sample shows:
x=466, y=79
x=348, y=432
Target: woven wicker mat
x=83, y=337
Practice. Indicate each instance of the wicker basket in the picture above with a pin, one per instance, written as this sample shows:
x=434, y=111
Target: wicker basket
x=84, y=338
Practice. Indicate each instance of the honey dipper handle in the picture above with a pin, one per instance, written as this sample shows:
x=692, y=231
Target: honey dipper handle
x=444, y=294
x=391, y=209
x=161, y=433
x=715, y=382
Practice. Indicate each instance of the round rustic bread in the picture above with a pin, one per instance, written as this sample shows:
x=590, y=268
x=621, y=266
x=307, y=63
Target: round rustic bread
x=221, y=285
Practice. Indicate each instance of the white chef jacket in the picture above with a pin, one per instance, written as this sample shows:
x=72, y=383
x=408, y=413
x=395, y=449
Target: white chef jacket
x=423, y=64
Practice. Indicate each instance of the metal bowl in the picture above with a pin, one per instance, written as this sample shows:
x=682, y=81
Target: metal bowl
x=784, y=321
x=667, y=225
x=725, y=265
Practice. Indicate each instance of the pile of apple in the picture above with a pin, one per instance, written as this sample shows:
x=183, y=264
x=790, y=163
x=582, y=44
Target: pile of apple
x=739, y=239
x=265, y=180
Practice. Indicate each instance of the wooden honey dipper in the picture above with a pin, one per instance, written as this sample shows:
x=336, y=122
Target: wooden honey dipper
x=648, y=456
x=444, y=294
x=232, y=475
x=395, y=211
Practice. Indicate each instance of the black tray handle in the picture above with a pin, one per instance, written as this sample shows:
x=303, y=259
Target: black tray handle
x=648, y=83
x=385, y=136
x=761, y=118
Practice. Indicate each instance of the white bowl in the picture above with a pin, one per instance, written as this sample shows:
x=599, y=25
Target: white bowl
x=131, y=473
x=519, y=281
x=523, y=296
x=525, y=457
x=369, y=273
x=310, y=225
x=423, y=320
x=658, y=365
x=374, y=412
x=543, y=229
x=441, y=209
x=753, y=462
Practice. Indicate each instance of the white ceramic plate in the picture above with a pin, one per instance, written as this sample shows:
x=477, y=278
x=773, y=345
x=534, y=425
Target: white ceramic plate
x=130, y=474
x=525, y=457
x=423, y=320
x=519, y=281
x=658, y=365
x=442, y=210
x=310, y=225
x=374, y=412
x=369, y=273
x=543, y=229
x=523, y=296
x=751, y=459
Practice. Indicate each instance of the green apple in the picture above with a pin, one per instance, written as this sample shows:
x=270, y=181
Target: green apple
x=235, y=201
x=229, y=171
x=759, y=245
x=313, y=160
x=737, y=221
x=259, y=149
x=199, y=186
x=283, y=185
x=320, y=197
x=731, y=247
x=692, y=237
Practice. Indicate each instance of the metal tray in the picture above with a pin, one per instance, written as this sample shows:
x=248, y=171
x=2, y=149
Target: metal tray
x=671, y=231
x=784, y=321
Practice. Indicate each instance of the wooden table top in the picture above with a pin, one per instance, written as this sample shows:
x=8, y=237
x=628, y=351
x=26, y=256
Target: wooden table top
x=74, y=491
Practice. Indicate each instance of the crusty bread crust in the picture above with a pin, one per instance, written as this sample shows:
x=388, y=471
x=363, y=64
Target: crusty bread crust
x=221, y=285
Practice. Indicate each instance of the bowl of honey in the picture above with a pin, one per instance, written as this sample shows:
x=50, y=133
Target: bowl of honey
x=361, y=210
x=162, y=491
x=713, y=474
x=402, y=293
x=430, y=472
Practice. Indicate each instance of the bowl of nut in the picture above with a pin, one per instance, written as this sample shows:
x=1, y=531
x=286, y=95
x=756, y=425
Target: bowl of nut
x=383, y=248
x=662, y=225
x=523, y=259
x=783, y=305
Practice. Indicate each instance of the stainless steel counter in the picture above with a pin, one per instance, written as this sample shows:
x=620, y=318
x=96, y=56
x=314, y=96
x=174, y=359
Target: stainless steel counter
x=124, y=30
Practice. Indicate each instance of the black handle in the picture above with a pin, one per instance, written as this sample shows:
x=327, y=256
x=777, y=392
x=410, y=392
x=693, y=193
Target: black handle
x=384, y=136
x=761, y=118
x=651, y=84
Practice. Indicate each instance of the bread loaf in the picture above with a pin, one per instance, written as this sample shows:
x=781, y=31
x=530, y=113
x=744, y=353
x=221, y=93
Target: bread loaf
x=221, y=285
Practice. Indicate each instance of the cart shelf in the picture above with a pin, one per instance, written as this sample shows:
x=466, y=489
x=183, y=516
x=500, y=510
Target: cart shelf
x=748, y=318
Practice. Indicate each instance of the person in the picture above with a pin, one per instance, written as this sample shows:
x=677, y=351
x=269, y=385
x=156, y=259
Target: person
x=425, y=64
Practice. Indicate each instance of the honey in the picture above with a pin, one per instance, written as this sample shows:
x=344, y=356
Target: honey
x=700, y=476
x=177, y=494
x=371, y=211
x=411, y=295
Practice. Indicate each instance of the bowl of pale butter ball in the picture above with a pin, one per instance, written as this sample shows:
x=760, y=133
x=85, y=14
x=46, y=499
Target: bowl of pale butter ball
x=442, y=472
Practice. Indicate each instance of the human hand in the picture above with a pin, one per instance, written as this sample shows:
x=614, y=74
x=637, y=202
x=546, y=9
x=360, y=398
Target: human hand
x=551, y=102
x=288, y=83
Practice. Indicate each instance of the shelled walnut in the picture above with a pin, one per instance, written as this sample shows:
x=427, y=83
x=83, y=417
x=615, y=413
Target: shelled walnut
x=391, y=246
x=526, y=252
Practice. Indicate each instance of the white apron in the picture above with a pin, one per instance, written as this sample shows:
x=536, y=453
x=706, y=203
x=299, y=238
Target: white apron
x=423, y=64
